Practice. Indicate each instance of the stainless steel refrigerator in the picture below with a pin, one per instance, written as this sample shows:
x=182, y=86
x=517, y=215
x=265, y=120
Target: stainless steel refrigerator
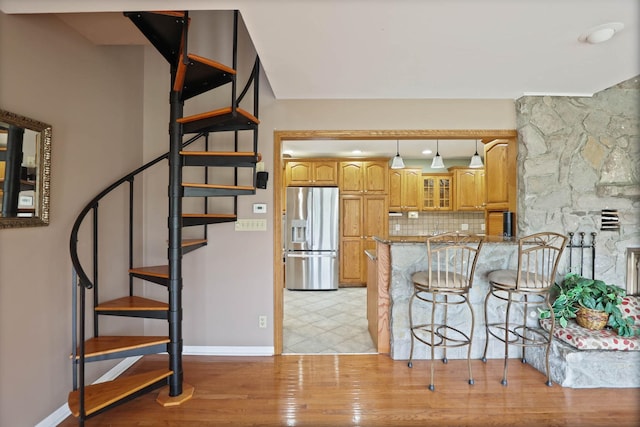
x=311, y=238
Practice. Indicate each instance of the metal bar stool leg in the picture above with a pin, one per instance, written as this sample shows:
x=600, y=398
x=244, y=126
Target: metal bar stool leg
x=466, y=298
x=506, y=338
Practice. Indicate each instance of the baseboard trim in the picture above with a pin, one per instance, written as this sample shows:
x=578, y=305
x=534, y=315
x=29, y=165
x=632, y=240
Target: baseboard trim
x=63, y=411
x=60, y=414
x=198, y=350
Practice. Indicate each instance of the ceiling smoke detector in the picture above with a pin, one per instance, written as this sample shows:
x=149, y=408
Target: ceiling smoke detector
x=601, y=33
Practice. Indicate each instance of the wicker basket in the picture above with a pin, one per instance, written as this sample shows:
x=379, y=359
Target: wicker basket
x=591, y=319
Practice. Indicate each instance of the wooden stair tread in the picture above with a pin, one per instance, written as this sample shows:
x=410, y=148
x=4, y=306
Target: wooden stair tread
x=193, y=242
x=132, y=303
x=112, y=344
x=155, y=271
x=200, y=75
x=222, y=153
x=208, y=215
x=221, y=119
x=99, y=396
x=216, y=113
x=218, y=186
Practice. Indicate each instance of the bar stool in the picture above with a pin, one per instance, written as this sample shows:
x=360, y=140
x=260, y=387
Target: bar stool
x=451, y=259
x=528, y=285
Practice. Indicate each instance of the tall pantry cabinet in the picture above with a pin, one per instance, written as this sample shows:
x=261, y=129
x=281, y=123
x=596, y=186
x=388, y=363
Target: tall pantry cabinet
x=363, y=214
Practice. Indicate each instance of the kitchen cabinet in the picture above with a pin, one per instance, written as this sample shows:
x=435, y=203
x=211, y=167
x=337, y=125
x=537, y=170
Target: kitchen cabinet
x=404, y=189
x=361, y=218
x=500, y=182
x=437, y=192
x=312, y=173
x=469, y=189
x=358, y=177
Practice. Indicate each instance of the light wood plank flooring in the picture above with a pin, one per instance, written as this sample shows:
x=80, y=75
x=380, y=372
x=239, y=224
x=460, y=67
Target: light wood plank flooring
x=367, y=390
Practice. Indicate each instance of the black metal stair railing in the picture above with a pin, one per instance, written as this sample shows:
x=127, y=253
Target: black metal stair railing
x=176, y=161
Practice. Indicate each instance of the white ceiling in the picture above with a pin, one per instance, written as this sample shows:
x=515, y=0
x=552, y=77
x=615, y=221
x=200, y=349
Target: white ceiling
x=403, y=49
x=400, y=49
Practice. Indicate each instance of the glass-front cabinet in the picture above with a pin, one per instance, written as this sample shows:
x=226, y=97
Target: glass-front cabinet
x=437, y=192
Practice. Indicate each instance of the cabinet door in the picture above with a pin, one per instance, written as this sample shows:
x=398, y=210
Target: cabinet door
x=375, y=216
x=375, y=177
x=351, y=261
x=351, y=239
x=437, y=192
x=411, y=189
x=500, y=171
x=351, y=216
x=299, y=173
x=325, y=173
x=445, y=193
x=350, y=177
x=395, y=190
x=469, y=190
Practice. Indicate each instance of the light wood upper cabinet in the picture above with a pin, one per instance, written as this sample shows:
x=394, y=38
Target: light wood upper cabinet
x=312, y=173
x=404, y=189
x=437, y=192
x=359, y=177
x=500, y=182
x=500, y=174
x=470, y=189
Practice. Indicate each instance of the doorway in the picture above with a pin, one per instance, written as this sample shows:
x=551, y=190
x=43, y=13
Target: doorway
x=314, y=135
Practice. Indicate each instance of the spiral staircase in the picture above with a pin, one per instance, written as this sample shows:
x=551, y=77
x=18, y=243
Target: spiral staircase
x=191, y=75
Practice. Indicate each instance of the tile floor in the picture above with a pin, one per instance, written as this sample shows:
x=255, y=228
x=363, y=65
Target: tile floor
x=326, y=322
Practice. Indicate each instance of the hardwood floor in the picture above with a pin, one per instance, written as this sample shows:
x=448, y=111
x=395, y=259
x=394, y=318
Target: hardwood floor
x=367, y=390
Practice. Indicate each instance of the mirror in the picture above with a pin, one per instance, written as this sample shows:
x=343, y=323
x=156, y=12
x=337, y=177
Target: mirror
x=25, y=169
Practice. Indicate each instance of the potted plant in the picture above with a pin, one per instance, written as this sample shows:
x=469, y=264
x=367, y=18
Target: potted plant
x=577, y=293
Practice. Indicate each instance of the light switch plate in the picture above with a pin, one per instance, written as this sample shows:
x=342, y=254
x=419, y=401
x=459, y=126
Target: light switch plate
x=251, y=225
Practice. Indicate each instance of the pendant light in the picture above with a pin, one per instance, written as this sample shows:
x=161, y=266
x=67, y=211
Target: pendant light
x=476, y=160
x=397, y=163
x=437, y=162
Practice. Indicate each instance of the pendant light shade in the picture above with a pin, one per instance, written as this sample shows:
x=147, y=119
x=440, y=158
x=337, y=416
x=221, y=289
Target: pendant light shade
x=437, y=162
x=476, y=160
x=397, y=162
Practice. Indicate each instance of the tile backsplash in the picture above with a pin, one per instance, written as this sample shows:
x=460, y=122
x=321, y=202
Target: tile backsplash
x=436, y=222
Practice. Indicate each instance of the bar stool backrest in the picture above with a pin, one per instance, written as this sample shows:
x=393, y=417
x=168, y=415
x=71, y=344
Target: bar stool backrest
x=538, y=258
x=452, y=259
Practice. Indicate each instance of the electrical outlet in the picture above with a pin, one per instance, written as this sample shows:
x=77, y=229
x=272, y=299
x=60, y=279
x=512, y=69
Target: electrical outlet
x=464, y=227
x=262, y=322
x=396, y=227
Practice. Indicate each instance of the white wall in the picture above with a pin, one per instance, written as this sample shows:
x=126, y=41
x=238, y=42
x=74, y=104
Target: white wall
x=92, y=98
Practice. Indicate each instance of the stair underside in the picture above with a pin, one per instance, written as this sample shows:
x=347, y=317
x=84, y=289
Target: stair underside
x=220, y=158
x=200, y=75
x=189, y=220
x=223, y=119
x=163, y=30
x=101, y=396
x=216, y=190
x=157, y=274
x=104, y=346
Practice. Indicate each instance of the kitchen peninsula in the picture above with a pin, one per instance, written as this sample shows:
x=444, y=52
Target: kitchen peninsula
x=390, y=287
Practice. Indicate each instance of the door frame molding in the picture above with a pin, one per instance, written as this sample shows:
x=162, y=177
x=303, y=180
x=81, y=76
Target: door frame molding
x=484, y=135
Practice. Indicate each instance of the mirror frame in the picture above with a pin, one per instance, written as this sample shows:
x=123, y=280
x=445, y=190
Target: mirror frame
x=43, y=184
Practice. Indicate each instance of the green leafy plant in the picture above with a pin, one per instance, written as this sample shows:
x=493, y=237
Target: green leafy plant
x=576, y=291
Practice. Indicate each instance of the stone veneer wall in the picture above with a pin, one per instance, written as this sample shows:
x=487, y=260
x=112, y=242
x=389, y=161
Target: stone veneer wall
x=577, y=156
